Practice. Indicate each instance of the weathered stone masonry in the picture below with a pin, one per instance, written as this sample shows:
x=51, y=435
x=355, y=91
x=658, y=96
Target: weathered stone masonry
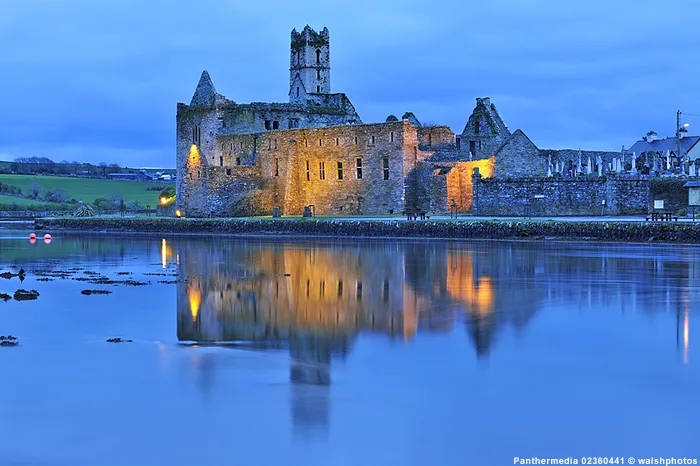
x=351, y=170
x=245, y=159
x=553, y=197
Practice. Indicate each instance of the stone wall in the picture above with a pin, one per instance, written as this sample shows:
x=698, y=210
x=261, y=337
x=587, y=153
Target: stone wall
x=605, y=231
x=554, y=197
x=249, y=174
x=435, y=137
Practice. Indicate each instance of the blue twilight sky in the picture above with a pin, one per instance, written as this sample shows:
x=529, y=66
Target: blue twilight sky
x=99, y=80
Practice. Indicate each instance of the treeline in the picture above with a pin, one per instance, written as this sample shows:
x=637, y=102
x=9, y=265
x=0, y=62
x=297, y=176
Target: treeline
x=46, y=166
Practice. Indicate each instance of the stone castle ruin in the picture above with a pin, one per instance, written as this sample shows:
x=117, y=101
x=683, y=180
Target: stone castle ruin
x=246, y=159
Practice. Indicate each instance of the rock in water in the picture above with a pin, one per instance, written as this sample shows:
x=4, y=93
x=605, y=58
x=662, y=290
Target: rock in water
x=118, y=340
x=24, y=295
x=89, y=292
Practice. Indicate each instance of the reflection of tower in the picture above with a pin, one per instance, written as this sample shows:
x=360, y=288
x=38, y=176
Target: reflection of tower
x=311, y=379
x=481, y=330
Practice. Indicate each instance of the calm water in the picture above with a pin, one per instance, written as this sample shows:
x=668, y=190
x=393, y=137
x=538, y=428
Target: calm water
x=347, y=353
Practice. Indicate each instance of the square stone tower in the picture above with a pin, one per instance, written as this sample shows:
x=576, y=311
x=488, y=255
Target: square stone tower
x=309, y=65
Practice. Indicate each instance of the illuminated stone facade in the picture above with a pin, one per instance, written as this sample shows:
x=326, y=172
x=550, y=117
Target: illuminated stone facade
x=248, y=159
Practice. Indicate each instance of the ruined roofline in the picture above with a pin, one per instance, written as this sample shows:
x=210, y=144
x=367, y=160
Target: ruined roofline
x=398, y=124
x=232, y=104
x=437, y=126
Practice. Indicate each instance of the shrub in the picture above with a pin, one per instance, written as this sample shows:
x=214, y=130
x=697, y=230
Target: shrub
x=34, y=190
x=57, y=195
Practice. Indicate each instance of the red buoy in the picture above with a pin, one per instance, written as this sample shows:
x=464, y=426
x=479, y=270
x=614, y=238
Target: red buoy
x=32, y=236
x=47, y=236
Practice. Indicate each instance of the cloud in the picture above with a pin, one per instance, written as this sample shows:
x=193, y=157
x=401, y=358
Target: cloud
x=102, y=79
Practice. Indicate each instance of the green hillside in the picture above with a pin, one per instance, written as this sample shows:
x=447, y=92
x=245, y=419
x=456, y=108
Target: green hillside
x=89, y=189
x=20, y=201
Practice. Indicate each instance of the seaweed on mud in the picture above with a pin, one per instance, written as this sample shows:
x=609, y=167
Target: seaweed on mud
x=5, y=297
x=118, y=340
x=8, y=340
x=89, y=292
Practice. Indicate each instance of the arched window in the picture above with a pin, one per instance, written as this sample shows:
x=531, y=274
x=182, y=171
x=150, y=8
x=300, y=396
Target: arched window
x=318, y=56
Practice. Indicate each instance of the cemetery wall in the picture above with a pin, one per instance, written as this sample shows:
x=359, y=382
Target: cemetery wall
x=560, y=196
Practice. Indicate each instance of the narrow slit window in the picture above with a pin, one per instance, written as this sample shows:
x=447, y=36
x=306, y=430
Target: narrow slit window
x=277, y=166
x=297, y=92
x=221, y=161
x=308, y=171
x=318, y=89
x=322, y=170
x=355, y=140
x=385, y=168
x=391, y=136
x=372, y=140
x=340, y=170
x=358, y=167
x=228, y=171
x=318, y=74
x=476, y=127
x=337, y=141
x=269, y=144
x=238, y=160
x=320, y=142
x=275, y=143
x=318, y=56
x=430, y=139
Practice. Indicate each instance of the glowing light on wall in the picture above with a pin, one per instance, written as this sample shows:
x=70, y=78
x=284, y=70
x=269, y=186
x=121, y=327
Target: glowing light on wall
x=194, y=152
x=459, y=181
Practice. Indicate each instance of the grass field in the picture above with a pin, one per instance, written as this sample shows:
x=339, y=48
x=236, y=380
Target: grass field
x=88, y=189
x=21, y=201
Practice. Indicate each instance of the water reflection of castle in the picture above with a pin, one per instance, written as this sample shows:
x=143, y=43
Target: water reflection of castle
x=316, y=297
x=263, y=293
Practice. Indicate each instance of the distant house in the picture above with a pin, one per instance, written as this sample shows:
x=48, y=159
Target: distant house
x=650, y=143
x=130, y=176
